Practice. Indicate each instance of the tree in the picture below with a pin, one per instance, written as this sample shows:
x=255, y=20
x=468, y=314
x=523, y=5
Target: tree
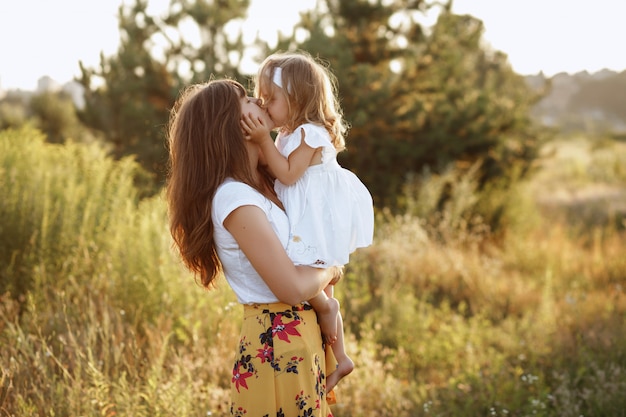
x=130, y=95
x=414, y=97
x=469, y=104
x=417, y=99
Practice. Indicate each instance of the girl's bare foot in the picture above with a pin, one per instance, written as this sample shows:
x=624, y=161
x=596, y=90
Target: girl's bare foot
x=344, y=367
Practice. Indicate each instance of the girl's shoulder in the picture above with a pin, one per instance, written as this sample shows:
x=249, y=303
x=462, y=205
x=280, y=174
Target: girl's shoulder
x=314, y=135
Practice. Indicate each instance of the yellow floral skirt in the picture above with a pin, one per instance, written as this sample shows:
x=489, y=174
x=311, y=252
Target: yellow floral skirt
x=281, y=363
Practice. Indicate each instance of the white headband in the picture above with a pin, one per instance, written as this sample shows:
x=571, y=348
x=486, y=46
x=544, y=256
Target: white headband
x=278, y=78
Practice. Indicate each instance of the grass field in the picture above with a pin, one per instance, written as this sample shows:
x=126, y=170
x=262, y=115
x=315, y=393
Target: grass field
x=444, y=317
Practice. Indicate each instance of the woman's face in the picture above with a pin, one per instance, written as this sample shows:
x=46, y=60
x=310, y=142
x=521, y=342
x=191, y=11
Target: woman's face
x=252, y=106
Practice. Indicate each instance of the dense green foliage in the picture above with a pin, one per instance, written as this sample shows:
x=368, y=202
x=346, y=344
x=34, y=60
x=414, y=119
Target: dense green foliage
x=98, y=318
x=414, y=98
x=128, y=98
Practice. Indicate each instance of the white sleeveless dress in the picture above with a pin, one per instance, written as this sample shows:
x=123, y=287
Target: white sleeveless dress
x=330, y=210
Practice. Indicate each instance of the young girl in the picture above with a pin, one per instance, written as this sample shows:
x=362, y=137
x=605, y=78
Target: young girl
x=225, y=218
x=329, y=209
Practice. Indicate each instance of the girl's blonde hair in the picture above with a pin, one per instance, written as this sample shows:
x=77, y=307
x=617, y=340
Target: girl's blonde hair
x=311, y=90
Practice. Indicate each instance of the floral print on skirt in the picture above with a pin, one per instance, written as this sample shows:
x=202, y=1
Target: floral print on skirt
x=280, y=366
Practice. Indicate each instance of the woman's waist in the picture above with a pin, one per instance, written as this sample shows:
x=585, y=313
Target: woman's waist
x=267, y=308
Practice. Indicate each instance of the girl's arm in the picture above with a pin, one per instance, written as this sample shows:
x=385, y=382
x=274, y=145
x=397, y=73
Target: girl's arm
x=287, y=170
x=291, y=284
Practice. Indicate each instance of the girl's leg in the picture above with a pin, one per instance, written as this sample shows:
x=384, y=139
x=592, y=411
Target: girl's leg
x=344, y=363
x=327, y=310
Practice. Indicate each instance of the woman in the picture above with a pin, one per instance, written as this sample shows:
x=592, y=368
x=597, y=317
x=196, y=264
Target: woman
x=225, y=218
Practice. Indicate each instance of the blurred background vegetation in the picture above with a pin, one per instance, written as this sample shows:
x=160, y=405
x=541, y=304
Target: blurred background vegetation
x=495, y=283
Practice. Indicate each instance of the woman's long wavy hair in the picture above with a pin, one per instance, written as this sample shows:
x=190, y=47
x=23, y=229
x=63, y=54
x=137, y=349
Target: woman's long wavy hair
x=311, y=90
x=206, y=146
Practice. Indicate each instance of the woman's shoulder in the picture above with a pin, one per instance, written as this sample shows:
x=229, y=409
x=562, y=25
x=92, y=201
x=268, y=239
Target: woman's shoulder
x=233, y=193
x=231, y=185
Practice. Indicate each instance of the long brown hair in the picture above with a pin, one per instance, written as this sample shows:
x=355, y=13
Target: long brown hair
x=311, y=90
x=206, y=146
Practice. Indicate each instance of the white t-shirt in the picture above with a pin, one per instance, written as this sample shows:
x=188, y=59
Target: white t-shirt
x=240, y=274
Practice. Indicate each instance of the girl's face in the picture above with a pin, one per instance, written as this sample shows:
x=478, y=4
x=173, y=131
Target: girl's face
x=251, y=105
x=277, y=106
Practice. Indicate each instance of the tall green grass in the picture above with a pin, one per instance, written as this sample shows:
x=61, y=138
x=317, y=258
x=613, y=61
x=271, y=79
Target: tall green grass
x=95, y=305
x=443, y=317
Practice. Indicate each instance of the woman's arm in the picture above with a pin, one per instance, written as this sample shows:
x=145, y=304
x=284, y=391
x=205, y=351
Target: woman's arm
x=291, y=284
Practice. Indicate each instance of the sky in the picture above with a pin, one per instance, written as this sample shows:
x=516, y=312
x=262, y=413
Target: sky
x=45, y=37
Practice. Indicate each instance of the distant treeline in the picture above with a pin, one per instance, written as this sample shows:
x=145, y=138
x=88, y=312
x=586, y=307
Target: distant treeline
x=583, y=102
